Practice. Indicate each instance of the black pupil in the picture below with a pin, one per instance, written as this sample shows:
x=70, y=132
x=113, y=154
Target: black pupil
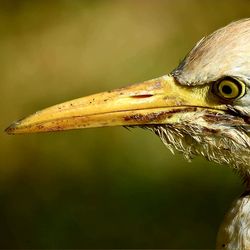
x=227, y=90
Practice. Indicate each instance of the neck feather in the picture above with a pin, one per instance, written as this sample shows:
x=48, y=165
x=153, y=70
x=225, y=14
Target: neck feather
x=234, y=233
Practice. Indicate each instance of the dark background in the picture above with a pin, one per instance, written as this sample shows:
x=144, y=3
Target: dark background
x=102, y=188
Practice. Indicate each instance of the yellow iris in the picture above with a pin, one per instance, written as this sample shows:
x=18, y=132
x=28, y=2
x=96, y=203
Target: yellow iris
x=230, y=89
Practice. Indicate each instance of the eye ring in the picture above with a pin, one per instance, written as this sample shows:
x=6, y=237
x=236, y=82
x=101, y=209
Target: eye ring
x=229, y=88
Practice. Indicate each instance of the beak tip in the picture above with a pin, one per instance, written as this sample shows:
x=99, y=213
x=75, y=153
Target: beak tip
x=11, y=130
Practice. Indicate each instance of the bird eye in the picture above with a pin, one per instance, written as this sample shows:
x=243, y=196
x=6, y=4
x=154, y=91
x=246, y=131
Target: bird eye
x=229, y=88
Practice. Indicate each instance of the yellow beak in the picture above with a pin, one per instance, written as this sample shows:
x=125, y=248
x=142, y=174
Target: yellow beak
x=158, y=101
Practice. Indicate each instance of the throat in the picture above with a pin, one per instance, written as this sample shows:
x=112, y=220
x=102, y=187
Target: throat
x=216, y=142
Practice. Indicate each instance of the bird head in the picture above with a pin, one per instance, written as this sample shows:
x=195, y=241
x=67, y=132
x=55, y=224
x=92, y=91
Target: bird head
x=201, y=108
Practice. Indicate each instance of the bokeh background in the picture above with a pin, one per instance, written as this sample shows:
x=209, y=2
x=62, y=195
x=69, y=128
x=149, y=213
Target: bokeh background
x=110, y=187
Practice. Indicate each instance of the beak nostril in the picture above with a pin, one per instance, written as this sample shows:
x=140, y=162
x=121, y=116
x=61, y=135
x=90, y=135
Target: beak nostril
x=141, y=96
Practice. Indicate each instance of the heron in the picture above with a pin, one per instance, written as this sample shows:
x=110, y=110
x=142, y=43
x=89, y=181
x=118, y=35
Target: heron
x=201, y=108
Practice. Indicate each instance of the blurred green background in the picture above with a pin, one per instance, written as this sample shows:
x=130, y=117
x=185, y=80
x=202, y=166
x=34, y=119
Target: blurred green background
x=102, y=188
